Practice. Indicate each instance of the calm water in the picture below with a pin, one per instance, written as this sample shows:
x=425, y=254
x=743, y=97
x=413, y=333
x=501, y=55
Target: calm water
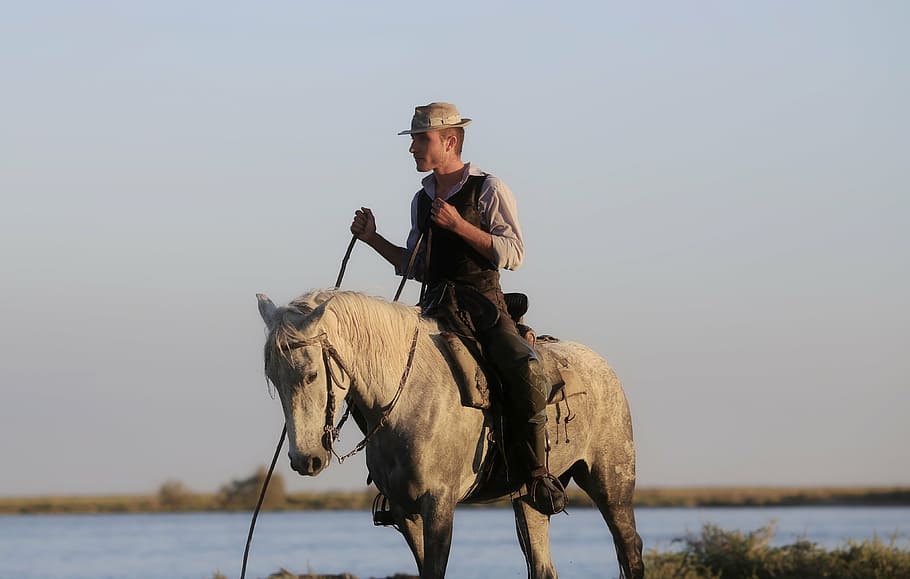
x=194, y=546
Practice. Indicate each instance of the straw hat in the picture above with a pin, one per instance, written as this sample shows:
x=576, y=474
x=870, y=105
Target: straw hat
x=435, y=116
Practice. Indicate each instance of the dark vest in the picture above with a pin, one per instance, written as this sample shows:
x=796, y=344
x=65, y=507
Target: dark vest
x=451, y=259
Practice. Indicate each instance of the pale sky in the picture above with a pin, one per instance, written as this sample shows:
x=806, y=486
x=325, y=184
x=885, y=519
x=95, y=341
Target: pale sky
x=714, y=196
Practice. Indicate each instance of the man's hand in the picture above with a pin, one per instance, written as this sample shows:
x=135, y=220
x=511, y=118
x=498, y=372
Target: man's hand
x=445, y=215
x=364, y=224
x=364, y=227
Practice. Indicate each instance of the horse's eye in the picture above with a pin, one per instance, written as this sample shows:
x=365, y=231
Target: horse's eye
x=309, y=378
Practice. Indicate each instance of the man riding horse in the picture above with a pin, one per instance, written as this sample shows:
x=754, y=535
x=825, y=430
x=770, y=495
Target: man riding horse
x=470, y=221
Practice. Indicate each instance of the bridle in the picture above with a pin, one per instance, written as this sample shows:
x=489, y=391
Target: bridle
x=329, y=354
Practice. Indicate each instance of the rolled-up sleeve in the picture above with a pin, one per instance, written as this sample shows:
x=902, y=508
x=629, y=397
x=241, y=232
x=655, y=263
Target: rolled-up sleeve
x=500, y=212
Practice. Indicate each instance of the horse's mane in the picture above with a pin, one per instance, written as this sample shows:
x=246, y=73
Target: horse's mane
x=366, y=319
x=366, y=323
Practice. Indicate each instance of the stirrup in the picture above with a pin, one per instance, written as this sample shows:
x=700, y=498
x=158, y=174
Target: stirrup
x=382, y=514
x=546, y=493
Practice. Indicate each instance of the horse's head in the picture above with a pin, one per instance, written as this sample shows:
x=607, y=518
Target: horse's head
x=300, y=367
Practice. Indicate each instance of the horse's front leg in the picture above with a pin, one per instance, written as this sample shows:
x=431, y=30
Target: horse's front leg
x=534, y=537
x=438, y=514
x=411, y=526
x=428, y=532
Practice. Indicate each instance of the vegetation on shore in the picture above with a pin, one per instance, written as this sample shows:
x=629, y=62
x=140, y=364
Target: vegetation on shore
x=719, y=554
x=242, y=494
x=715, y=553
x=772, y=496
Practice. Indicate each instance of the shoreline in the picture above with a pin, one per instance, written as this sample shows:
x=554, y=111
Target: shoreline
x=646, y=497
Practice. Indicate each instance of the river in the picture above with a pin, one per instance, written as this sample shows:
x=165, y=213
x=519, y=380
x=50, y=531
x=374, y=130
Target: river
x=196, y=545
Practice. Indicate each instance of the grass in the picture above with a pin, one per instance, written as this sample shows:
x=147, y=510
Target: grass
x=78, y=504
x=771, y=496
x=190, y=502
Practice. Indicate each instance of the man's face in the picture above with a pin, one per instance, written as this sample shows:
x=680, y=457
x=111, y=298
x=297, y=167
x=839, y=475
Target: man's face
x=429, y=150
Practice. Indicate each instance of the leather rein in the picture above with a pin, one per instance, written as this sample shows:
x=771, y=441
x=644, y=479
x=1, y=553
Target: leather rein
x=329, y=354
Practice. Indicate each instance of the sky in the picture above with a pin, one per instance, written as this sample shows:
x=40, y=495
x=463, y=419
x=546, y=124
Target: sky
x=714, y=197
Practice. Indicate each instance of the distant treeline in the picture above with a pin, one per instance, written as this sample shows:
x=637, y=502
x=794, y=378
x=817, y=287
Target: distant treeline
x=242, y=494
x=772, y=496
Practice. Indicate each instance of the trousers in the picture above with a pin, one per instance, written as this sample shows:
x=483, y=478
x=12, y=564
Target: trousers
x=524, y=387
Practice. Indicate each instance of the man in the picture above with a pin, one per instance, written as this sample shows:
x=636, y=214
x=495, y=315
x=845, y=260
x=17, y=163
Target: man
x=470, y=221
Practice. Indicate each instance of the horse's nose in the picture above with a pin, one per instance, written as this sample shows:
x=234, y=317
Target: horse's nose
x=306, y=465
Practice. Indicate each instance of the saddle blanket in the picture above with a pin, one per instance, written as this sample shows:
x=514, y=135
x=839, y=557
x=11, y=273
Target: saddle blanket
x=474, y=382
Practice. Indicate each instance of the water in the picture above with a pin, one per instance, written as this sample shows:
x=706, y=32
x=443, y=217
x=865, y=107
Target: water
x=196, y=545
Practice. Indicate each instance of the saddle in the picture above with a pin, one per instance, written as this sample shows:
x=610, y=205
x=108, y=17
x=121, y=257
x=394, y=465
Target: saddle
x=473, y=378
x=477, y=385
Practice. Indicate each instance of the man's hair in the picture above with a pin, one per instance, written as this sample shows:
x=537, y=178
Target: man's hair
x=458, y=133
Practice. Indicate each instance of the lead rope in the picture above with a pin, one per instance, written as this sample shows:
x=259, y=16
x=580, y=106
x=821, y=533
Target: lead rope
x=284, y=429
x=265, y=486
x=284, y=432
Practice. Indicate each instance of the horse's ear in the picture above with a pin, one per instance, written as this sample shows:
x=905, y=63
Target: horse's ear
x=267, y=310
x=319, y=310
x=317, y=317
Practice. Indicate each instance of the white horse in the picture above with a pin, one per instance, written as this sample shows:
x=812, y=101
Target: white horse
x=425, y=451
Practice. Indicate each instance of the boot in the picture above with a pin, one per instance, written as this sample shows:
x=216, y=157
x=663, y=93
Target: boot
x=545, y=492
x=526, y=395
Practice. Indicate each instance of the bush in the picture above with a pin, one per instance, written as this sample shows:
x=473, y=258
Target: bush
x=173, y=495
x=243, y=493
x=719, y=554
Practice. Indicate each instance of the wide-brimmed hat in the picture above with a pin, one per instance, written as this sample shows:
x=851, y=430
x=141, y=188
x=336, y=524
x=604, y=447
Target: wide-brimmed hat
x=435, y=116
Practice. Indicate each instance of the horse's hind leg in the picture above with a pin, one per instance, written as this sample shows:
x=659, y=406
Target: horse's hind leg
x=613, y=496
x=534, y=537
